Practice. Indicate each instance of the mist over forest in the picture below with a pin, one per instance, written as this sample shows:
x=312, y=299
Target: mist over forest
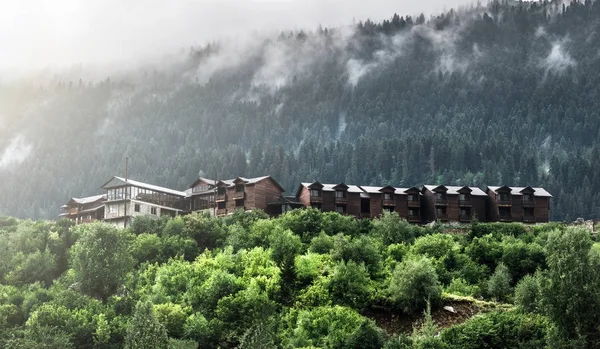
x=505, y=93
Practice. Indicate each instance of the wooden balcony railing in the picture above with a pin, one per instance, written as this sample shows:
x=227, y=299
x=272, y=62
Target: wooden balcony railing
x=388, y=203
x=221, y=197
x=239, y=195
x=504, y=202
x=414, y=203
x=528, y=203
x=465, y=203
x=505, y=218
x=441, y=201
x=465, y=217
x=414, y=219
x=221, y=211
x=442, y=217
x=316, y=199
x=341, y=200
x=529, y=219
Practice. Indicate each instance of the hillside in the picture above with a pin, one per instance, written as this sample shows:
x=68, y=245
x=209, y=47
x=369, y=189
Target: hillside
x=503, y=94
x=304, y=280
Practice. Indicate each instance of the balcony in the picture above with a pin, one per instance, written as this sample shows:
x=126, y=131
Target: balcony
x=505, y=218
x=238, y=195
x=529, y=219
x=389, y=202
x=414, y=219
x=504, y=202
x=442, y=217
x=221, y=197
x=316, y=199
x=341, y=200
x=441, y=201
x=465, y=203
x=221, y=211
x=414, y=203
x=465, y=217
x=528, y=203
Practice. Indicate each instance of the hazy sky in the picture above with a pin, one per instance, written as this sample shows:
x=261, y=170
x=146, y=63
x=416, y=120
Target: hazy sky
x=47, y=33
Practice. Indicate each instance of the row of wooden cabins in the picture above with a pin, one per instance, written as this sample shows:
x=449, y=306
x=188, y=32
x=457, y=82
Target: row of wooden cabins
x=126, y=199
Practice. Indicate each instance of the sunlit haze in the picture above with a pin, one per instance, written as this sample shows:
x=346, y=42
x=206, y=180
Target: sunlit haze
x=39, y=34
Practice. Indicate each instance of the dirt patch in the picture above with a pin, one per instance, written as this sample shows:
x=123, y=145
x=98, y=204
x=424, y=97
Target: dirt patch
x=397, y=322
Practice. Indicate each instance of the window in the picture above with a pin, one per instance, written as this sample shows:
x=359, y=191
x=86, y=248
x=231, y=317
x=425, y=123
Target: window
x=239, y=203
x=340, y=209
x=413, y=212
x=504, y=197
x=440, y=211
x=153, y=210
x=136, y=207
x=465, y=212
x=439, y=195
x=527, y=197
x=389, y=208
x=387, y=196
x=339, y=194
x=315, y=193
x=412, y=197
x=221, y=191
x=465, y=197
x=221, y=205
x=365, y=206
x=317, y=206
x=504, y=212
x=201, y=188
x=528, y=212
x=239, y=188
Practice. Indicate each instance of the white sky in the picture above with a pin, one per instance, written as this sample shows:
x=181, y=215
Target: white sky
x=37, y=34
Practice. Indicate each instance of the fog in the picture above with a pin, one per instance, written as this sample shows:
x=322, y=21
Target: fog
x=38, y=34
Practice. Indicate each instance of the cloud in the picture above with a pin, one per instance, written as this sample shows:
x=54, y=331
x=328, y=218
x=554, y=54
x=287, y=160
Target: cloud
x=558, y=59
x=17, y=151
x=36, y=34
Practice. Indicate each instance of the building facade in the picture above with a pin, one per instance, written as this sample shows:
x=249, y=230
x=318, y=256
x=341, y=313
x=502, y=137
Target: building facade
x=518, y=204
x=84, y=210
x=127, y=198
x=227, y=196
x=452, y=203
x=361, y=201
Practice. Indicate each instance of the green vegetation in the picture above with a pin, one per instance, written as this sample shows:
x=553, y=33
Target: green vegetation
x=307, y=279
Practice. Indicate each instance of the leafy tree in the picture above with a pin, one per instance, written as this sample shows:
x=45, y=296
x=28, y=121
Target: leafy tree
x=413, y=284
x=527, y=293
x=569, y=289
x=145, y=331
x=498, y=286
x=101, y=259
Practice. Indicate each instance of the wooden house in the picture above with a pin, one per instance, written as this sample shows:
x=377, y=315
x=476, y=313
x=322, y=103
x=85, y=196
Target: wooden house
x=404, y=201
x=341, y=198
x=127, y=198
x=518, y=204
x=453, y=203
x=84, y=210
x=226, y=196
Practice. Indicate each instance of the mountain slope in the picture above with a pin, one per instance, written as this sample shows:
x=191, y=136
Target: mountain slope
x=504, y=94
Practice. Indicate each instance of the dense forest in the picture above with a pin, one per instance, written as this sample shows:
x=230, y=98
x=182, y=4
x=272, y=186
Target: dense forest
x=304, y=280
x=505, y=93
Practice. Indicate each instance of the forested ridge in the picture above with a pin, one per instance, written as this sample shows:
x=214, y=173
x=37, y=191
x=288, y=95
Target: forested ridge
x=489, y=95
x=304, y=280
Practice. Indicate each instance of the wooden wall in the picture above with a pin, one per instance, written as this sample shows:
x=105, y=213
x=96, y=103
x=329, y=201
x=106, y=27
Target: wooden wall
x=541, y=209
x=376, y=205
x=353, y=206
x=479, y=207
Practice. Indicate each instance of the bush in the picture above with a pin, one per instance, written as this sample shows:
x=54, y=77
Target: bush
x=527, y=294
x=392, y=229
x=498, y=286
x=460, y=287
x=413, y=283
x=144, y=330
x=172, y=317
x=349, y=284
x=508, y=329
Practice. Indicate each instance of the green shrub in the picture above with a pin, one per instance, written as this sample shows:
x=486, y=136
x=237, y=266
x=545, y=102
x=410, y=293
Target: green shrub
x=349, y=284
x=172, y=317
x=461, y=287
x=502, y=329
x=527, y=294
x=498, y=286
x=413, y=283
